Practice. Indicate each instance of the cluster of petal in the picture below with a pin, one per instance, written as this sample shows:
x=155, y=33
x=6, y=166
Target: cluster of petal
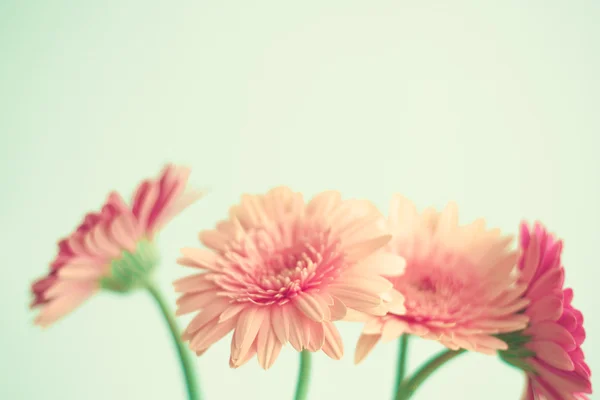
x=459, y=283
x=280, y=270
x=557, y=367
x=84, y=257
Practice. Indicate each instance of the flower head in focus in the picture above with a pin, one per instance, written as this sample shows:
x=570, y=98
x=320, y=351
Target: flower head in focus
x=112, y=248
x=549, y=349
x=280, y=270
x=459, y=283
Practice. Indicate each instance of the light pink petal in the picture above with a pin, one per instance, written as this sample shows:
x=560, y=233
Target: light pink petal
x=382, y=263
x=393, y=329
x=483, y=342
x=448, y=219
x=91, y=247
x=356, y=316
x=81, y=272
x=210, y=334
x=267, y=345
x=552, y=353
x=193, y=283
x=232, y=312
x=310, y=306
x=317, y=336
x=143, y=201
x=396, y=304
x=554, y=332
x=124, y=232
x=64, y=288
x=325, y=303
x=365, y=344
x=514, y=323
x=549, y=282
x=546, y=392
x=238, y=362
x=248, y=324
x=324, y=203
x=373, y=326
x=199, y=258
x=370, y=283
x=509, y=309
x=381, y=310
x=104, y=243
x=566, y=380
x=181, y=203
x=214, y=240
x=353, y=230
x=355, y=220
x=354, y=298
x=252, y=212
x=171, y=185
x=76, y=244
x=548, y=308
x=508, y=296
x=194, y=301
x=280, y=323
x=296, y=324
x=531, y=260
x=338, y=309
x=358, y=251
x=61, y=306
x=281, y=202
x=213, y=310
x=403, y=213
x=528, y=394
x=333, y=345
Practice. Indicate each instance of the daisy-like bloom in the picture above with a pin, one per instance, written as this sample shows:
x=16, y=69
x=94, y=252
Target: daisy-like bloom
x=111, y=249
x=549, y=349
x=459, y=284
x=280, y=270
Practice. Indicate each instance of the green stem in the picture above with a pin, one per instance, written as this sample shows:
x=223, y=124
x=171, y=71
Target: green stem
x=401, y=368
x=303, y=376
x=413, y=383
x=187, y=366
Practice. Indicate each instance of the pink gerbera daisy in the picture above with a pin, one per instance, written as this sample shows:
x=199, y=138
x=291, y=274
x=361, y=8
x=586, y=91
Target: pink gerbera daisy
x=549, y=349
x=279, y=270
x=458, y=284
x=112, y=248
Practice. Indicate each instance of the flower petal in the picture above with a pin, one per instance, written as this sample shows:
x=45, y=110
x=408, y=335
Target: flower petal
x=365, y=344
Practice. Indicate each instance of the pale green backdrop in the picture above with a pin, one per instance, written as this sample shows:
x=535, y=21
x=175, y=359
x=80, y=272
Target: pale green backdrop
x=491, y=104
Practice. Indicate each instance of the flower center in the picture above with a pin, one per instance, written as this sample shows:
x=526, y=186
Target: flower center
x=434, y=291
x=289, y=267
x=278, y=269
x=425, y=285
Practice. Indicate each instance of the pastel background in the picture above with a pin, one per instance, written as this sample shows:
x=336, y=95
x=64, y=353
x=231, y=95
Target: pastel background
x=494, y=105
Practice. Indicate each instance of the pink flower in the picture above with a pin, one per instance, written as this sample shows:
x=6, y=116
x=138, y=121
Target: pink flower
x=458, y=284
x=549, y=349
x=279, y=270
x=107, y=242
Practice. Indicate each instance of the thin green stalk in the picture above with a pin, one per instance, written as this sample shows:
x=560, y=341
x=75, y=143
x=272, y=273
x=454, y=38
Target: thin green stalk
x=303, y=376
x=187, y=366
x=413, y=383
x=401, y=367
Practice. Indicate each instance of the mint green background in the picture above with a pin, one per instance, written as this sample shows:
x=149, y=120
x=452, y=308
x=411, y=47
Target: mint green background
x=493, y=105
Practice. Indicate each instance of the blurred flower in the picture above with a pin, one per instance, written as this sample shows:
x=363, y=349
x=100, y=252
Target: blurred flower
x=458, y=284
x=279, y=270
x=549, y=349
x=112, y=248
